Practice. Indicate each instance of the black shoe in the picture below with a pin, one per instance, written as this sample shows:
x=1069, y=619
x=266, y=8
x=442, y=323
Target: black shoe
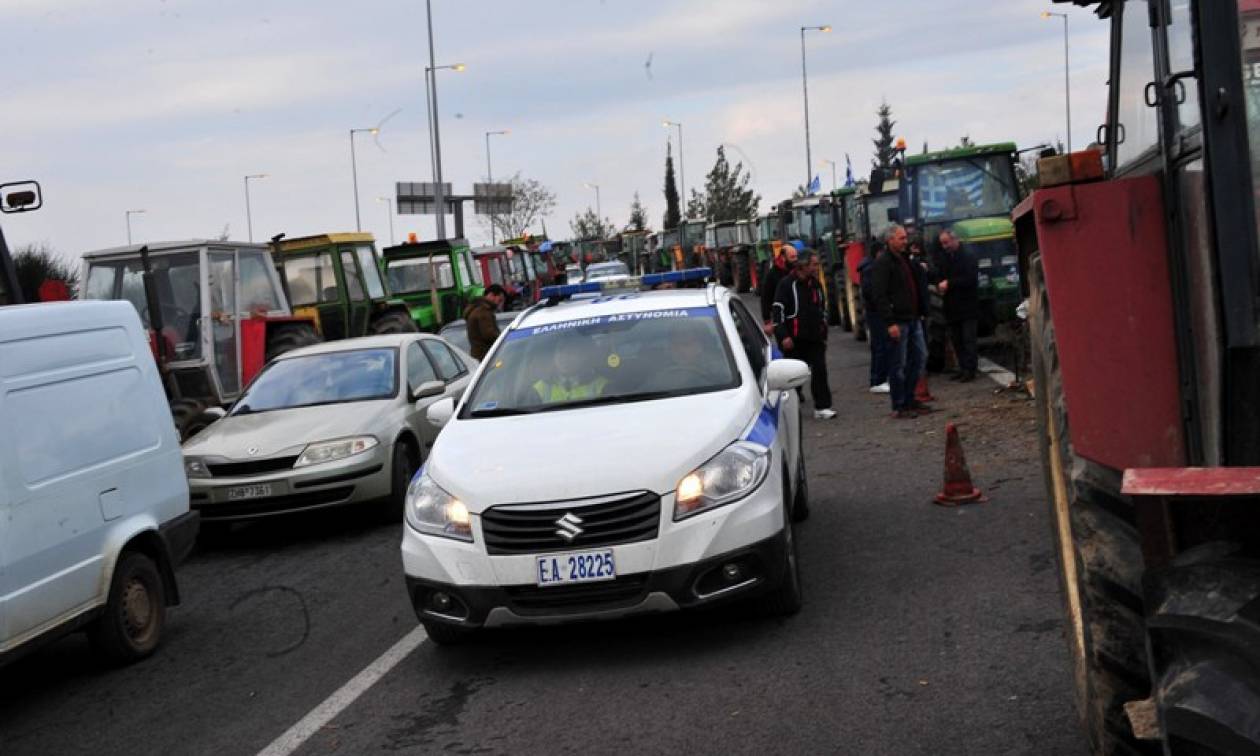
x=904, y=414
x=968, y=377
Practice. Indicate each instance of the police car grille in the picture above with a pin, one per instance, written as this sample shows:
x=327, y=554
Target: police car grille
x=518, y=529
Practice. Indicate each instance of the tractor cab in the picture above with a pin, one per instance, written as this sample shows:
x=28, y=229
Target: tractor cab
x=336, y=279
x=495, y=268
x=216, y=313
x=635, y=251
x=973, y=191
x=695, y=253
x=671, y=247
x=434, y=279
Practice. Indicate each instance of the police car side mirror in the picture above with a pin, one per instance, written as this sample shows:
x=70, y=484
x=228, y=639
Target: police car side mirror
x=785, y=375
x=441, y=411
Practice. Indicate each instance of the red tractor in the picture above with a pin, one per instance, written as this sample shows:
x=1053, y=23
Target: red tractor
x=216, y=314
x=1142, y=268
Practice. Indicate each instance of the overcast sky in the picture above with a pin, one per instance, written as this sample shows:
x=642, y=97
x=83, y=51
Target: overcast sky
x=164, y=105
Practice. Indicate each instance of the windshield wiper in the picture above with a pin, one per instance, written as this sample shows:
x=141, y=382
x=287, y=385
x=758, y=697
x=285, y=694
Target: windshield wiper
x=501, y=412
x=641, y=396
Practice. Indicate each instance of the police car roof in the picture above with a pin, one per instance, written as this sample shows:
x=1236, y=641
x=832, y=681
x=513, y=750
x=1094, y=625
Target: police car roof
x=596, y=305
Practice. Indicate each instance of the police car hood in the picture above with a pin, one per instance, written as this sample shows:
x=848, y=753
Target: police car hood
x=591, y=451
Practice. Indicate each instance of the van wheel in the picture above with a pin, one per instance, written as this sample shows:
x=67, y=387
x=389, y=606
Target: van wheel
x=402, y=468
x=135, y=614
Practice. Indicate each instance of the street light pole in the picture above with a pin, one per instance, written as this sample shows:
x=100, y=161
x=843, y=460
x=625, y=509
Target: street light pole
x=809, y=160
x=599, y=211
x=435, y=161
x=1067, y=74
x=682, y=173
x=389, y=212
x=130, y=213
x=354, y=173
x=249, y=218
x=490, y=177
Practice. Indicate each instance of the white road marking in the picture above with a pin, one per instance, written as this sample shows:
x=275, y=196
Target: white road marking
x=339, y=701
x=1000, y=375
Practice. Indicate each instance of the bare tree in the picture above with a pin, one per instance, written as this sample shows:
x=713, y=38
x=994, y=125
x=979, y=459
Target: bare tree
x=531, y=202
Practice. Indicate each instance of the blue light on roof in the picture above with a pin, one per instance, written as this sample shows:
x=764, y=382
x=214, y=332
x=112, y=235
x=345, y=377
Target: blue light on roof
x=650, y=280
x=677, y=276
x=568, y=290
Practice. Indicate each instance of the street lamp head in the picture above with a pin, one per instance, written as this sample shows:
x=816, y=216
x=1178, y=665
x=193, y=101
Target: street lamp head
x=826, y=28
x=589, y=185
x=458, y=67
x=256, y=176
x=133, y=212
x=374, y=130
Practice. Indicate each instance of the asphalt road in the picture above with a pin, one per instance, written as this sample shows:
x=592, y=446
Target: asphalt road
x=925, y=630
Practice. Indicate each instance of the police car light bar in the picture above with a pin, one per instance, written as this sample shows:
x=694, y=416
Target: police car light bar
x=565, y=291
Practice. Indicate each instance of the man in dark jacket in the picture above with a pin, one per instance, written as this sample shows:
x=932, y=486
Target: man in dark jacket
x=959, y=284
x=800, y=325
x=483, y=329
x=875, y=324
x=899, y=304
x=780, y=267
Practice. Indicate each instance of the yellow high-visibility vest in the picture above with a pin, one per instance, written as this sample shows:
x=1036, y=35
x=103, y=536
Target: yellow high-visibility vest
x=559, y=392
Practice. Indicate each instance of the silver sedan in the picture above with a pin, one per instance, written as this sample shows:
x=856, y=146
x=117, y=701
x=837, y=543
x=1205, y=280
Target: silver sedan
x=327, y=425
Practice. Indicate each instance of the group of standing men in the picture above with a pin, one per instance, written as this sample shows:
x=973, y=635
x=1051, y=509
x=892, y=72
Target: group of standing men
x=895, y=285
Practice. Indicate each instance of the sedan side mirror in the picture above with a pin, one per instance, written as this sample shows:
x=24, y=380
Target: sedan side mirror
x=427, y=389
x=784, y=375
x=441, y=411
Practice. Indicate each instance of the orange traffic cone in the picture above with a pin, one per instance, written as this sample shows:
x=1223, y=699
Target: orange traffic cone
x=958, y=488
x=921, y=392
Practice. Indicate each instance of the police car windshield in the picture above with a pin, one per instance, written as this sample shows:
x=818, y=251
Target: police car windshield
x=627, y=357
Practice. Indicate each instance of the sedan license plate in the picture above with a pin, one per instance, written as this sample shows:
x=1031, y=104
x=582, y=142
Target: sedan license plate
x=237, y=493
x=579, y=567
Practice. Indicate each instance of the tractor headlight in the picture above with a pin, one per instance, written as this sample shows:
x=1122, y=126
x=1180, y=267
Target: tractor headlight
x=733, y=474
x=432, y=510
x=331, y=451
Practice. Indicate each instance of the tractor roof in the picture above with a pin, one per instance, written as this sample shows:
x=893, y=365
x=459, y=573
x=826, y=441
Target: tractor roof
x=844, y=191
x=416, y=249
x=324, y=240
x=169, y=247
x=1001, y=148
x=722, y=224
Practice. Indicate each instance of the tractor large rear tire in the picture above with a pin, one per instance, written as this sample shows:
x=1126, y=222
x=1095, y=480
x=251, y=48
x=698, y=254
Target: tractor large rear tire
x=394, y=322
x=743, y=273
x=289, y=336
x=190, y=417
x=1205, y=639
x=1098, y=554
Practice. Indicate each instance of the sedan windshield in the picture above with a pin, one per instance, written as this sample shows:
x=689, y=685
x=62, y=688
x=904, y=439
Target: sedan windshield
x=317, y=379
x=605, y=360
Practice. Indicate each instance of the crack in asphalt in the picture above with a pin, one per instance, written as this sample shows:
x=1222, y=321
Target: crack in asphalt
x=285, y=591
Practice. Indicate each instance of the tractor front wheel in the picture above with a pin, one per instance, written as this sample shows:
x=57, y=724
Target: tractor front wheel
x=191, y=417
x=286, y=337
x=394, y=322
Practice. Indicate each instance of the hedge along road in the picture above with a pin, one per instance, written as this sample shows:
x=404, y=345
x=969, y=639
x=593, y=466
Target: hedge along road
x=925, y=630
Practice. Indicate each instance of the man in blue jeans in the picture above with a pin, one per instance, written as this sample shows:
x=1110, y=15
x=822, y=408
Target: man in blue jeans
x=898, y=303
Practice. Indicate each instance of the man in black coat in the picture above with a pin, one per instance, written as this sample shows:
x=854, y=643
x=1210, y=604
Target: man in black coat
x=780, y=268
x=800, y=326
x=896, y=284
x=959, y=284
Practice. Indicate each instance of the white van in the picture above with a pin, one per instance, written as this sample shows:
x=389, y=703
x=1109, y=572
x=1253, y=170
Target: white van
x=93, y=500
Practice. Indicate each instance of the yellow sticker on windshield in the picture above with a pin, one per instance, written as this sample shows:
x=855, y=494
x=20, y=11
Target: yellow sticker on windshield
x=498, y=364
x=613, y=361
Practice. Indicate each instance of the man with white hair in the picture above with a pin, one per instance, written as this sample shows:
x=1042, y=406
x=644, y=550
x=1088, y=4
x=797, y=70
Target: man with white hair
x=898, y=301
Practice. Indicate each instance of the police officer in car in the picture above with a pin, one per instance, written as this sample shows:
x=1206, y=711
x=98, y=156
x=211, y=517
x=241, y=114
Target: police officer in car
x=575, y=373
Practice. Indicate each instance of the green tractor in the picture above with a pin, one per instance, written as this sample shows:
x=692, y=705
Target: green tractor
x=771, y=230
x=814, y=222
x=435, y=280
x=336, y=280
x=973, y=191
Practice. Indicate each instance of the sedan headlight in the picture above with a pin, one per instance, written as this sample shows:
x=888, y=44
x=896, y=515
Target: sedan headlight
x=330, y=451
x=432, y=510
x=733, y=474
x=195, y=468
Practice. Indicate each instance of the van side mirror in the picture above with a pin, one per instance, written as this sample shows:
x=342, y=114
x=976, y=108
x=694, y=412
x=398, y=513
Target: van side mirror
x=427, y=389
x=440, y=412
x=20, y=197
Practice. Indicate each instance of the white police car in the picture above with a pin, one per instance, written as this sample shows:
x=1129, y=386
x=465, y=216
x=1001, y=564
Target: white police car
x=618, y=452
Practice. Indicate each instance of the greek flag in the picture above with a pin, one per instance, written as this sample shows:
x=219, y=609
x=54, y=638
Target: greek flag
x=848, y=171
x=814, y=186
x=946, y=192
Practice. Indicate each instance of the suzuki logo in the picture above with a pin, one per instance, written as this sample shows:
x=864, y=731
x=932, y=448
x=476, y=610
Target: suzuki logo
x=569, y=527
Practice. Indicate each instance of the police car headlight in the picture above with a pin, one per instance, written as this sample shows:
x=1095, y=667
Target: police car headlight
x=432, y=510
x=733, y=474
